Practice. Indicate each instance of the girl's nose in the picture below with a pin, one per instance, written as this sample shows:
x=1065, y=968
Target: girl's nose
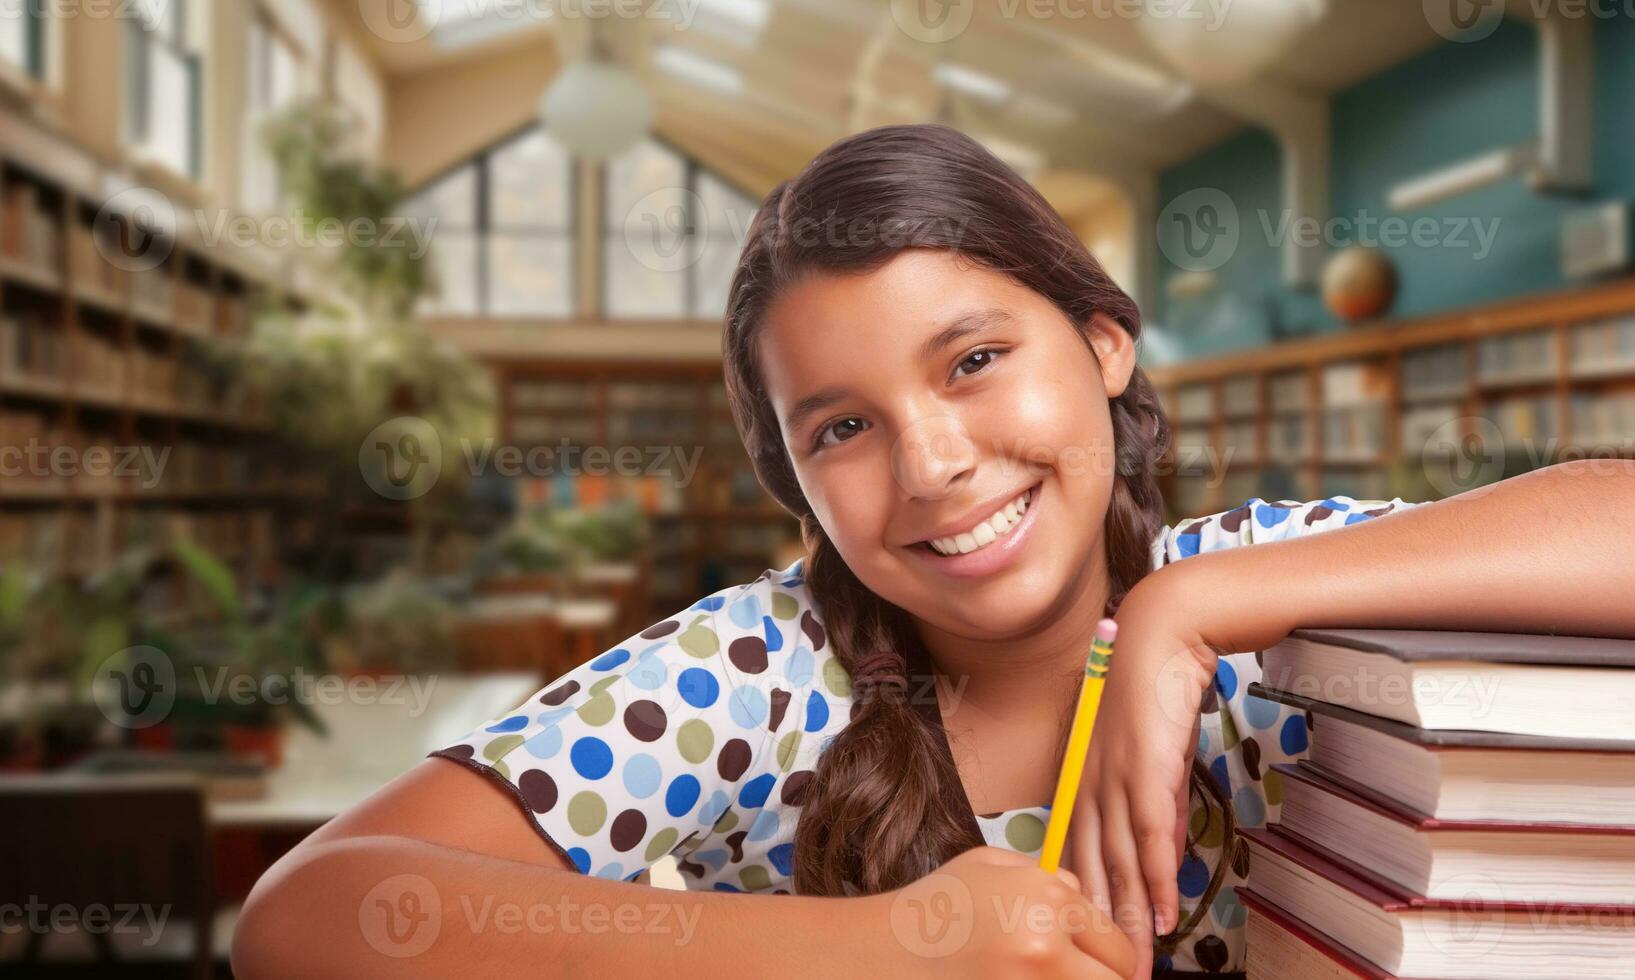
x=932, y=456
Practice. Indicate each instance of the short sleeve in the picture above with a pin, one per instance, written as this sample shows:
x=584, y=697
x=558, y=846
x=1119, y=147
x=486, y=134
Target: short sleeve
x=641, y=751
x=1257, y=521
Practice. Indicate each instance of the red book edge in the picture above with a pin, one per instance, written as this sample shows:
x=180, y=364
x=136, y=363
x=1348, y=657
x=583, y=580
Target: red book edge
x=1316, y=939
x=1391, y=897
x=1345, y=789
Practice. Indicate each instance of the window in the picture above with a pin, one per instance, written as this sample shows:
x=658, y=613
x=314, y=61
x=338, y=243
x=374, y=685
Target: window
x=502, y=242
x=673, y=231
x=22, y=36
x=163, y=85
x=270, y=84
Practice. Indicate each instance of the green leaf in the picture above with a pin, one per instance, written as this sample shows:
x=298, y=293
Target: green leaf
x=214, y=577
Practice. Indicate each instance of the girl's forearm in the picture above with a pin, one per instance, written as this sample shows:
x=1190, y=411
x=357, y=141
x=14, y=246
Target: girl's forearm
x=394, y=906
x=1544, y=552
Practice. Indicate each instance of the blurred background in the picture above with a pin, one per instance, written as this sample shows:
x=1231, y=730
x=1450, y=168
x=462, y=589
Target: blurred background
x=360, y=359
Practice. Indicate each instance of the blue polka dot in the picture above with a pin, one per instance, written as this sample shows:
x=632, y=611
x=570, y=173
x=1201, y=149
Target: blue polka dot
x=1226, y=679
x=765, y=826
x=722, y=886
x=642, y=775
x=698, y=687
x=748, y=705
x=555, y=714
x=1260, y=713
x=1270, y=516
x=1227, y=910
x=1162, y=963
x=546, y=744
x=1218, y=770
x=817, y=712
x=709, y=603
x=1193, y=877
x=515, y=723
x=746, y=612
x=1355, y=518
x=1187, y=544
x=711, y=811
x=610, y=659
x=580, y=858
x=715, y=859
x=591, y=757
x=1333, y=504
x=798, y=668
x=756, y=791
x=682, y=795
x=774, y=636
x=613, y=871
x=1203, y=741
x=1250, y=807
x=782, y=858
x=1293, y=736
x=650, y=671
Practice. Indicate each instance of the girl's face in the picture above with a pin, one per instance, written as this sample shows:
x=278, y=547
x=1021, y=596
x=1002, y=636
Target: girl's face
x=927, y=398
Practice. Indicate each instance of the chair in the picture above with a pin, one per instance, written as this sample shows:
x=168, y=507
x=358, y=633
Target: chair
x=116, y=844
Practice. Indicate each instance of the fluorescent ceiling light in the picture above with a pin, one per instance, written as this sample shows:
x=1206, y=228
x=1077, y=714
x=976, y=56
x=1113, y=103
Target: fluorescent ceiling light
x=971, y=82
x=752, y=14
x=1461, y=178
x=1043, y=111
x=689, y=66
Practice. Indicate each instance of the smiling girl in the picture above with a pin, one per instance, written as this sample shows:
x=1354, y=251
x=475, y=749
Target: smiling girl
x=850, y=757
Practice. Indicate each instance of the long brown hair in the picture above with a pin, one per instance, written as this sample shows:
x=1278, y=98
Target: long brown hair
x=883, y=807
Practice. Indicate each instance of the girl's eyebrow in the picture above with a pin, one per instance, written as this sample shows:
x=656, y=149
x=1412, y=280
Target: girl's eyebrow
x=966, y=323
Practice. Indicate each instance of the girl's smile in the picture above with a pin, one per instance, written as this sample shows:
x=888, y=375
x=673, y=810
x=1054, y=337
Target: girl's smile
x=990, y=544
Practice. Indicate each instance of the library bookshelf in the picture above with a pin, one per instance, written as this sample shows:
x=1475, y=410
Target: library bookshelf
x=713, y=524
x=1416, y=408
x=118, y=423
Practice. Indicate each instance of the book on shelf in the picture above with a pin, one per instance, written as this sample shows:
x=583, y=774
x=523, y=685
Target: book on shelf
x=1380, y=929
x=1453, y=774
x=1522, y=684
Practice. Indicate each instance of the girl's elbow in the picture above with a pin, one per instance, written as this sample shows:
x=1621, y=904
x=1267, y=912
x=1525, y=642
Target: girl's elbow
x=283, y=917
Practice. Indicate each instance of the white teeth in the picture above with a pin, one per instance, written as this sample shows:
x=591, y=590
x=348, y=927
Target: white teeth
x=985, y=532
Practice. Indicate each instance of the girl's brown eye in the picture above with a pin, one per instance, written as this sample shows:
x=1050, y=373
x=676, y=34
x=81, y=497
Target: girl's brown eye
x=824, y=432
x=988, y=356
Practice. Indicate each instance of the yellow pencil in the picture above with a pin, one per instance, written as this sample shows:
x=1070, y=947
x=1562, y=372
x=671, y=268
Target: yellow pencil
x=1078, y=743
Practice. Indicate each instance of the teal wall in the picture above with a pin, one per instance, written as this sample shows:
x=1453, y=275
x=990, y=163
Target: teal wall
x=1443, y=107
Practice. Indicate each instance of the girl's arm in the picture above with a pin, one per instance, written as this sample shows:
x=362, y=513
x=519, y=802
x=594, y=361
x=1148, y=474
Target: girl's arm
x=1545, y=552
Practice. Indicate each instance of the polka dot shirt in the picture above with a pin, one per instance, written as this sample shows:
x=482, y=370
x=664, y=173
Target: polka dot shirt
x=698, y=737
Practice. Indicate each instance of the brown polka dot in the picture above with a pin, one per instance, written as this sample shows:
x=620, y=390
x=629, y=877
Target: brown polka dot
x=690, y=868
x=459, y=752
x=1251, y=758
x=736, y=842
x=1318, y=513
x=628, y=830
x=1210, y=953
x=813, y=629
x=645, y=720
x=538, y=790
x=557, y=695
x=780, y=704
x=733, y=760
x=748, y=654
x=660, y=629
x=1233, y=519
x=795, y=787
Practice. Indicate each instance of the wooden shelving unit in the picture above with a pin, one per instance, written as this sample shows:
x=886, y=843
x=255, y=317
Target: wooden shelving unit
x=715, y=530
x=1354, y=412
x=116, y=425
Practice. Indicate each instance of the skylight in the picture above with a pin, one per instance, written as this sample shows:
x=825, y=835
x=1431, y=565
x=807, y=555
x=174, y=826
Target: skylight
x=460, y=23
x=689, y=66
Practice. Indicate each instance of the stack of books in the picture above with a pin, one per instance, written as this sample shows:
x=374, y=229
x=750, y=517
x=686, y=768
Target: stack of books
x=1466, y=809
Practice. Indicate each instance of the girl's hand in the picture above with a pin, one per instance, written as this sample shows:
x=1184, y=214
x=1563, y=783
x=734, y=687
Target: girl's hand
x=994, y=913
x=1130, y=819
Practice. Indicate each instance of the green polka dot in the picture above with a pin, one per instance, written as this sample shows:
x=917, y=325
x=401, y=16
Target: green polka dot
x=787, y=746
x=503, y=770
x=496, y=750
x=1206, y=832
x=725, y=823
x=598, y=710
x=586, y=812
x=699, y=640
x=603, y=684
x=695, y=739
x=1025, y=832
x=662, y=843
x=784, y=606
x=755, y=878
x=1229, y=732
x=1273, y=786
x=836, y=679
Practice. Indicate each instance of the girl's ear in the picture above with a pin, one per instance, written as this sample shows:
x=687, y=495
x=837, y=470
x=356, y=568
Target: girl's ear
x=1115, y=352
